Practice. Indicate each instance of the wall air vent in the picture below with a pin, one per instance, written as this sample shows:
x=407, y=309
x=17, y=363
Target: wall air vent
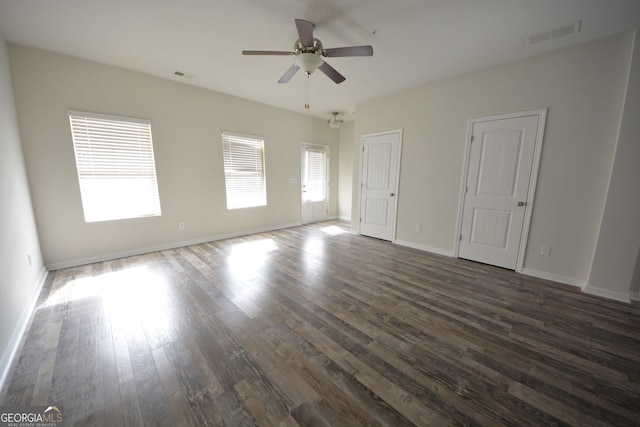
x=183, y=75
x=553, y=34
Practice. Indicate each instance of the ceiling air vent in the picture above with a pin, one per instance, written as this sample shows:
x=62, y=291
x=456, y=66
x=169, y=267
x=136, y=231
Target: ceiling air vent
x=554, y=34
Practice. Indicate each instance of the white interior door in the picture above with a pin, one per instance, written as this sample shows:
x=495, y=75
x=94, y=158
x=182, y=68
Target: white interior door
x=501, y=159
x=379, y=184
x=315, y=183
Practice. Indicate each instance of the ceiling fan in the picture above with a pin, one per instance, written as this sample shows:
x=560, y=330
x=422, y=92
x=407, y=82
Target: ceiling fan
x=309, y=54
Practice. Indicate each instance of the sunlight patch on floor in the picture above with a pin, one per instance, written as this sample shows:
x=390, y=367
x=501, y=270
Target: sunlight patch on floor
x=333, y=230
x=125, y=293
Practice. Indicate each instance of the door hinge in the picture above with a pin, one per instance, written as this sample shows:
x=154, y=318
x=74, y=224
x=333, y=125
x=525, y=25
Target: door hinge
x=466, y=190
x=363, y=149
x=471, y=138
x=461, y=237
x=361, y=185
x=360, y=219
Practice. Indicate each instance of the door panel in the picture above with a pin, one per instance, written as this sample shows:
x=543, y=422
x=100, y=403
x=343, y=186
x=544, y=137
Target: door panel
x=491, y=227
x=380, y=159
x=499, y=163
x=498, y=177
x=376, y=211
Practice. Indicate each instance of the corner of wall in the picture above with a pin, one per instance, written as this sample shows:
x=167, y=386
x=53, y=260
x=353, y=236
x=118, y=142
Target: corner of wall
x=14, y=344
x=21, y=263
x=614, y=264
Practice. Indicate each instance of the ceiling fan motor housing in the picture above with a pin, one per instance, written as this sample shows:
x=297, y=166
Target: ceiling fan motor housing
x=316, y=48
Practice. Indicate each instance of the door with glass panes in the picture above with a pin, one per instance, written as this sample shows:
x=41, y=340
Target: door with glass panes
x=315, y=183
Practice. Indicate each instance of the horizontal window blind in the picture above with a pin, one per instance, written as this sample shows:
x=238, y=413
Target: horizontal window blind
x=316, y=176
x=116, y=167
x=244, y=170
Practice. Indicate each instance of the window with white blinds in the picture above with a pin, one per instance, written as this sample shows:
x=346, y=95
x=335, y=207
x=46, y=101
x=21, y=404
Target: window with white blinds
x=244, y=170
x=116, y=167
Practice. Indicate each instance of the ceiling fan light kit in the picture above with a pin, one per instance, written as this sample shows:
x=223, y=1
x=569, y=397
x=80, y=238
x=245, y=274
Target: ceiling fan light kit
x=309, y=54
x=309, y=62
x=335, y=120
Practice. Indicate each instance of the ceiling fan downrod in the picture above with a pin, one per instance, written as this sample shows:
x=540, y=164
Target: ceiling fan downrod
x=306, y=90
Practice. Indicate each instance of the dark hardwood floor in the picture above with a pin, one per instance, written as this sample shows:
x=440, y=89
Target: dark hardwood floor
x=316, y=326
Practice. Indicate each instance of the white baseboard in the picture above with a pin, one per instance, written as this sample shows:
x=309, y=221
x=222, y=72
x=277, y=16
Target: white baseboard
x=174, y=245
x=591, y=290
x=425, y=248
x=617, y=296
x=16, y=339
x=344, y=218
x=634, y=295
x=554, y=277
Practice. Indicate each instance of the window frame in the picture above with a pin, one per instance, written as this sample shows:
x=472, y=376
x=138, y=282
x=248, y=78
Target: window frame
x=115, y=165
x=233, y=177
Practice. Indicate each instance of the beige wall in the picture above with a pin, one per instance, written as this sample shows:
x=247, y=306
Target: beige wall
x=345, y=173
x=186, y=125
x=615, y=272
x=583, y=89
x=20, y=281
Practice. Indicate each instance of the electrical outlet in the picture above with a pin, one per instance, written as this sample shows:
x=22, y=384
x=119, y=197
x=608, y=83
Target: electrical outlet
x=545, y=250
x=181, y=226
x=418, y=228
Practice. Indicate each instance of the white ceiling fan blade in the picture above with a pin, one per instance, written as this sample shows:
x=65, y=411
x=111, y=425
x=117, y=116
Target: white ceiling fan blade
x=348, y=51
x=266, y=52
x=305, y=31
x=289, y=73
x=332, y=73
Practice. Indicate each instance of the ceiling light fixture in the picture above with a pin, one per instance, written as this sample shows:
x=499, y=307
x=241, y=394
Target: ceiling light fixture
x=336, y=120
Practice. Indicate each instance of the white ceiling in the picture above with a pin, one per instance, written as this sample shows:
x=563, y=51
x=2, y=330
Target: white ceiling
x=415, y=41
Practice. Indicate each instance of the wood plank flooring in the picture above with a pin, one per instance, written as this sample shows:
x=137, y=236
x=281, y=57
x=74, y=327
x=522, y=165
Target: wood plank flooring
x=314, y=326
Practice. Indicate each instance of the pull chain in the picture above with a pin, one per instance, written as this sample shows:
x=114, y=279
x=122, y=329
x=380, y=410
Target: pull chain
x=306, y=91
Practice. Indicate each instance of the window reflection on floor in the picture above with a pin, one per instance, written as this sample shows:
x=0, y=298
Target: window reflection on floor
x=333, y=230
x=247, y=259
x=144, y=293
x=124, y=295
x=246, y=263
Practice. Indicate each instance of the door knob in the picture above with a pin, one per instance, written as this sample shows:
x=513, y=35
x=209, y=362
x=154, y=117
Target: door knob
x=392, y=194
x=521, y=203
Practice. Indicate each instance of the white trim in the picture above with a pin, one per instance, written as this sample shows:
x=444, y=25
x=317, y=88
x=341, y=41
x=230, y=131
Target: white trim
x=463, y=186
x=344, y=218
x=425, y=248
x=634, y=295
x=108, y=116
x=537, y=156
x=533, y=181
x=606, y=293
x=6, y=362
x=174, y=245
x=242, y=135
x=554, y=277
